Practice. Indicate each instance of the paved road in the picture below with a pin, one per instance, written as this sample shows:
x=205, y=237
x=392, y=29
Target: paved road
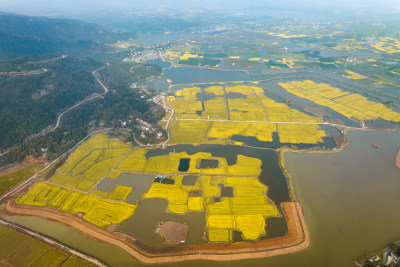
x=82, y=102
x=47, y=60
x=52, y=242
x=59, y=117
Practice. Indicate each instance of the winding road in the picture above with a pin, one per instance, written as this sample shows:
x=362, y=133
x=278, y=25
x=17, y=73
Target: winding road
x=83, y=101
x=59, y=117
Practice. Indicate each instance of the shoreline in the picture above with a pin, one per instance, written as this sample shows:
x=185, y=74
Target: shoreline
x=296, y=239
x=397, y=159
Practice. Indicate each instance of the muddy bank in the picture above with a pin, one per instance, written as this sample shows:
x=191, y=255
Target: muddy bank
x=397, y=159
x=297, y=238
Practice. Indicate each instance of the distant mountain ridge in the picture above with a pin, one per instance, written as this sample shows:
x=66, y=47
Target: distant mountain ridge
x=24, y=35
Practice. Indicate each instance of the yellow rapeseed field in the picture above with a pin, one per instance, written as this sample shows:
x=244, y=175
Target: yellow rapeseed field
x=300, y=133
x=100, y=212
x=281, y=112
x=355, y=76
x=347, y=104
x=190, y=132
x=244, y=89
x=262, y=131
x=388, y=45
x=114, y=174
x=120, y=192
x=177, y=198
x=216, y=90
x=219, y=235
x=94, y=158
x=168, y=164
x=72, y=182
x=252, y=226
x=246, y=211
x=214, y=109
x=195, y=204
x=221, y=221
x=283, y=35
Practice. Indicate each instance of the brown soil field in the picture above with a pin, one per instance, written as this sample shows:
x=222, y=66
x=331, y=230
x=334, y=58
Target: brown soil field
x=397, y=159
x=341, y=139
x=173, y=232
x=297, y=238
x=29, y=160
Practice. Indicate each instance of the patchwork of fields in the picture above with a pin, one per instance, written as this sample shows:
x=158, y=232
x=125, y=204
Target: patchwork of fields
x=251, y=113
x=244, y=209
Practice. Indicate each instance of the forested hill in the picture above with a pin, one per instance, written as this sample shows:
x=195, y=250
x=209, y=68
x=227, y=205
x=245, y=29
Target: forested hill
x=29, y=103
x=24, y=35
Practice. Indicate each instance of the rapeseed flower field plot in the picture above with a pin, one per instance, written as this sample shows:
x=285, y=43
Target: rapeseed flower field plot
x=215, y=109
x=169, y=164
x=283, y=35
x=355, y=76
x=190, y=132
x=225, y=130
x=114, y=174
x=99, y=193
x=300, y=133
x=244, y=89
x=248, y=109
x=195, y=204
x=101, y=212
x=252, y=226
x=388, y=45
x=216, y=90
x=241, y=212
x=107, y=212
x=185, y=103
x=177, y=198
x=71, y=181
x=94, y=158
x=120, y=192
x=219, y=235
x=246, y=211
x=281, y=112
x=348, y=104
x=221, y=221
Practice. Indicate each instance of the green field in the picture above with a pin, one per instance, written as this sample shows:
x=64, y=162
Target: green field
x=10, y=180
x=17, y=249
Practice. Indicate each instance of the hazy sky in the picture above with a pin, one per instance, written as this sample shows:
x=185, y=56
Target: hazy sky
x=70, y=7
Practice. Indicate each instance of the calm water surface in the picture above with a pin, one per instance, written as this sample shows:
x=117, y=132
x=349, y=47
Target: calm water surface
x=350, y=202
